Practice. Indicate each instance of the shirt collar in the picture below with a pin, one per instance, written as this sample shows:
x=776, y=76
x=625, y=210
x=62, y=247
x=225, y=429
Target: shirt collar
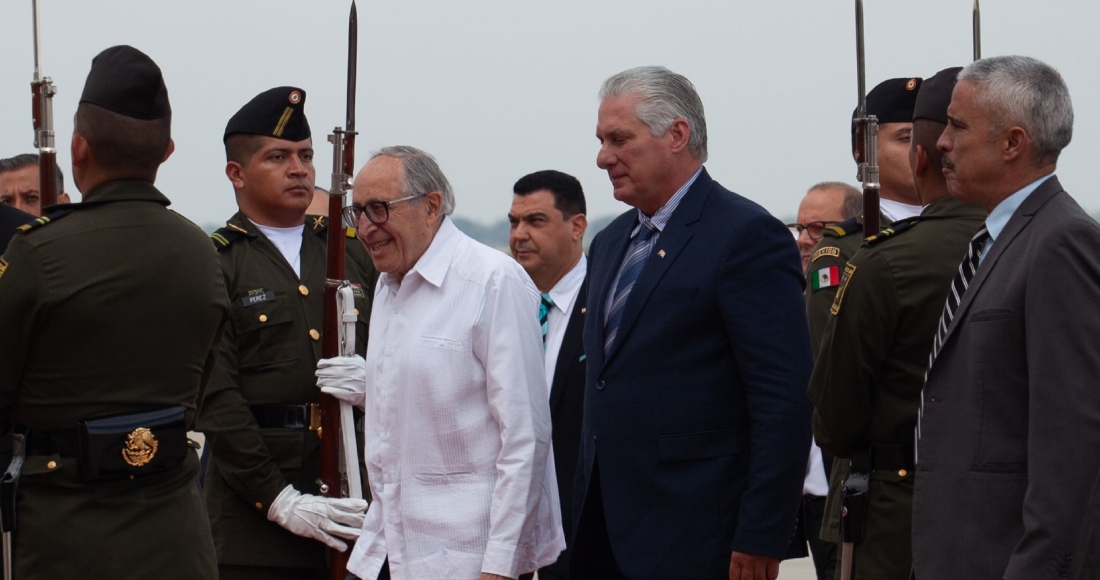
x=660, y=219
x=563, y=292
x=998, y=218
x=433, y=264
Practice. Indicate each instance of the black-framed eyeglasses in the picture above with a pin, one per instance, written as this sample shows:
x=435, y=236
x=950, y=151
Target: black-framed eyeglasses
x=378, y=212
x=814, y=229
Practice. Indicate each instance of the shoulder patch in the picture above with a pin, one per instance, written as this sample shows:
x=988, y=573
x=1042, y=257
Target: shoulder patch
x=46, y=219
x=823, y=278
x=223, y=237
x=3, y=266
x=849, y=271
x=826, y=251
x=892, y=231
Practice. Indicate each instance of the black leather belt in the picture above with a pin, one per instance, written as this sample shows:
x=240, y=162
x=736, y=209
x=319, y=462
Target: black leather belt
x=63, y=443
x=288, y=416
x=884, y=457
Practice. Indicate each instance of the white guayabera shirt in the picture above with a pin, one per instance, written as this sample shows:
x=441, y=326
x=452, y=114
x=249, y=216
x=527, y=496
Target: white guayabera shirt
x=457, y=421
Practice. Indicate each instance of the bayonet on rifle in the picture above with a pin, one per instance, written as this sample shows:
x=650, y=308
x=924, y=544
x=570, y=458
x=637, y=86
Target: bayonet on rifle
x=43, y=90
x=977, y=20
x=339, y=479
x=866, y=138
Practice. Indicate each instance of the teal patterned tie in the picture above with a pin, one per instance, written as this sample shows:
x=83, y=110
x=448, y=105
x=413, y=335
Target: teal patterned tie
x=544, y=315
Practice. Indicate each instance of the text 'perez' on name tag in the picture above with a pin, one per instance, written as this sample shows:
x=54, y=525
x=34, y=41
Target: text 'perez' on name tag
x=257, y=297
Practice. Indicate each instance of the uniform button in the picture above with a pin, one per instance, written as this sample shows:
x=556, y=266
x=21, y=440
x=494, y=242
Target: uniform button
x=314, y=334
x=259, y=506
x=902, y=473
x=51, y=465
x=357, y=312
x=263, y=318
x=303, y=290
x=600, y=385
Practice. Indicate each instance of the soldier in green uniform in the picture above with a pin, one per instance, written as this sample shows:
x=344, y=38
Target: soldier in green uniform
x=870, y=369
x=261, y=487
x=892, y=103
x=105, y=351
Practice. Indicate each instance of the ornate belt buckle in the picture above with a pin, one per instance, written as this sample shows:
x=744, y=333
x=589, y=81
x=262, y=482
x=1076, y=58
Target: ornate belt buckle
x=140, y=448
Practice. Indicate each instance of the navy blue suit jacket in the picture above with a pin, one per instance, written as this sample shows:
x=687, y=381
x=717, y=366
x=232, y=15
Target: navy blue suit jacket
x=699, y=414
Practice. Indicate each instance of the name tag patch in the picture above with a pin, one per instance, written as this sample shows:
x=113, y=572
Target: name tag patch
x=826, y=251
x=258, y=296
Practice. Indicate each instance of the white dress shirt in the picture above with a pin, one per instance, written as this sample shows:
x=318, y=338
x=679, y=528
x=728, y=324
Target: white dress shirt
x=895, y=210
x=564, y=294
x=457, y=421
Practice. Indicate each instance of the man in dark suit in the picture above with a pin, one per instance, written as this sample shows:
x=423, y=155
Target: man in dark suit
x=696, y=421
x=547, y=238
x=1008, y=434
x=10, y=219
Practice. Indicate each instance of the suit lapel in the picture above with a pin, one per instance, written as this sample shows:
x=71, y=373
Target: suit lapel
x=572, y=347
x=1013, y=228
x=669, y=244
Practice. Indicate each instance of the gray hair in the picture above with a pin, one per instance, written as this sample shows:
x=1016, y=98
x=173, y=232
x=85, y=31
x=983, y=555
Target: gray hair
x=1025, y=92
x=664, y=97
x=26, y=160
x=422, y=174
x=852, y=204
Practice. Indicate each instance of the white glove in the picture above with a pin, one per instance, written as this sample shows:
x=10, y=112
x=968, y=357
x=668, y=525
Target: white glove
x=320, y=518
x=344, y=377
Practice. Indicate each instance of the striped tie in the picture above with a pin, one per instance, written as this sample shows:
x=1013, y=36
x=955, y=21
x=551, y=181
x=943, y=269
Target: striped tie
x=959, y=285
x=628, y=273
x=544, y=315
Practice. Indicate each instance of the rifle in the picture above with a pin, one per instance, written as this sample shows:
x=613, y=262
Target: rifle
x=339, y=474
x=43, y=90
x=977, y=24
x=866, y=139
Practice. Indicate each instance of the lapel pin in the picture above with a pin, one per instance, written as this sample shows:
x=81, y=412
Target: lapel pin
x=583, y=310
x=660, y=253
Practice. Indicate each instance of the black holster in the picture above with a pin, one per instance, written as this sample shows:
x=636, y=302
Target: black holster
x=855, y=495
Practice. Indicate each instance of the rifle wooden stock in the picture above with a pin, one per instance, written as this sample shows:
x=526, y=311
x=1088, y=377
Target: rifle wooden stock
x=42, y=95
x=331, y=484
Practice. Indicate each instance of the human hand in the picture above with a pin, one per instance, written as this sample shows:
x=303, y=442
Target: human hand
x=325, y=519
x=344, y=377
x=753, y=567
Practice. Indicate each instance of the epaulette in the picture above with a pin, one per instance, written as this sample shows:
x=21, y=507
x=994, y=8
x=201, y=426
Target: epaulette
x=223, y=237
x=46, y=219
x=894, y=229
x=845, y=228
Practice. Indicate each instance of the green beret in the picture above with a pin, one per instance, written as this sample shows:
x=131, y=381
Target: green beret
x=279, y=113
x=935, y=95
x=126, y=81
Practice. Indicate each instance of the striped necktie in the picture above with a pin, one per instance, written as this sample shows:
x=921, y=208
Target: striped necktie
x=628, y=273
x=959, y=284
x=544, y=315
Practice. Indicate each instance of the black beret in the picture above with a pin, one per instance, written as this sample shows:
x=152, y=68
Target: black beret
x=935, y=95
x=126, y=81
x=890, y=102
x=279, y=112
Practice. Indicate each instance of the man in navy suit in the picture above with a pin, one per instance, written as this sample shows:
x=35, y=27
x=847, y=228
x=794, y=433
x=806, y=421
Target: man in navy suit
x=696, y=420
x=547, y=238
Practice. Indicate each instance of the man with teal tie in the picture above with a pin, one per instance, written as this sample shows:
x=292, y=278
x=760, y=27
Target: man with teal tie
x=547, y=239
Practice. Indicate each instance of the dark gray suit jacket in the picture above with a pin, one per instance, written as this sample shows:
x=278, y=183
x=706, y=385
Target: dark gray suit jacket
x=1011, y=429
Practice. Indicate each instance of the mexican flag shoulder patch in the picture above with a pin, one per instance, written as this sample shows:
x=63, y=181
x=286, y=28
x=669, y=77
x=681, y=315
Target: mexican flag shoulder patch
x=827, y=277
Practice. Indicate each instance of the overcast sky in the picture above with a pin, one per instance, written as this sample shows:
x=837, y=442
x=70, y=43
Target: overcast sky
x=496, y=89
